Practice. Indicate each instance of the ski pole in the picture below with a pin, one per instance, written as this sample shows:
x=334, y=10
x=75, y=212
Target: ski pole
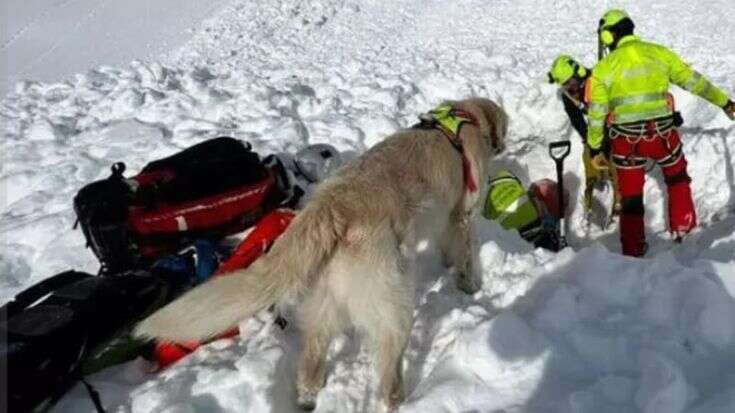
x=558, y=151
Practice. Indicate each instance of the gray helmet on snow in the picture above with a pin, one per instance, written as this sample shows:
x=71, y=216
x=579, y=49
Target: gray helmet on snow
x=318, y=161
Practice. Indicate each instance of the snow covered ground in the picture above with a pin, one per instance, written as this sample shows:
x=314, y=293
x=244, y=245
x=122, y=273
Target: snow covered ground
x=585, y=330
x=53, y=40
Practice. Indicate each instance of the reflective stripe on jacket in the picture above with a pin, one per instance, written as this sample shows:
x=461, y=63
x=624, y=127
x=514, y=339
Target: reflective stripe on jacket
x=632, y=83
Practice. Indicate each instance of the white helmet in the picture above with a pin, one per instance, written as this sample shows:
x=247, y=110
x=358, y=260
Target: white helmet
x=318, y=161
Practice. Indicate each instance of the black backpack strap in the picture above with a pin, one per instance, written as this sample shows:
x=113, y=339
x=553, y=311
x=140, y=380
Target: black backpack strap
x=93, y=394
x=75, y=374
x=34, y=293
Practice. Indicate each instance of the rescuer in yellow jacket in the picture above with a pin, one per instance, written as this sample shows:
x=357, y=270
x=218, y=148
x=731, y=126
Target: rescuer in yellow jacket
x=629, y=104
x=572, y=76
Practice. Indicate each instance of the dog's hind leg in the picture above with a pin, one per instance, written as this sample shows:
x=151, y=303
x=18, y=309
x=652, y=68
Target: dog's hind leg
x=458, y=246
x=311, y=371
x=376, y=285
x=319, y=321
x=392, y=325
x=390, y=348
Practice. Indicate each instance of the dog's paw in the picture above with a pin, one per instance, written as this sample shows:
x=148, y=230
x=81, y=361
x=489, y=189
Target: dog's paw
x=468, y=284
x=306, y=399
x=395, y=398
x=306, y=404
x=446, y=261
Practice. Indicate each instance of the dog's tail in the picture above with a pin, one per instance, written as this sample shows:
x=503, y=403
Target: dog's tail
x=220, y=303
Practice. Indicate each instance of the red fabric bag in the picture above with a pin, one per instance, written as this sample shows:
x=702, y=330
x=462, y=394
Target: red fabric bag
x=255, y=244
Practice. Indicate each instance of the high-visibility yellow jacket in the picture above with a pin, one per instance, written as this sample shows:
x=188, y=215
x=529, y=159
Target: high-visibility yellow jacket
x=632, y=84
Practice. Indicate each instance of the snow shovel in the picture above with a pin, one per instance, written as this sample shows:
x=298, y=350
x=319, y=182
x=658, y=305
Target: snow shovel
x=558, y=151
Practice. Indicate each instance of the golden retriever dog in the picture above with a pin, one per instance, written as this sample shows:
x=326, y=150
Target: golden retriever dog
x=348, y=258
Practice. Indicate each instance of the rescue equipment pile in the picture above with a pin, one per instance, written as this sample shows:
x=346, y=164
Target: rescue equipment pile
x=156, y=235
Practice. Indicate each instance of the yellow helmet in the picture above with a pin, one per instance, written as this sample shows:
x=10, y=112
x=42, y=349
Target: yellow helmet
x=564, y=68
x=608, y=20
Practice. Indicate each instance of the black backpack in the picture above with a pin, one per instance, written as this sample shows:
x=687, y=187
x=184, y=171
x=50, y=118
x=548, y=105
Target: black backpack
x=54, y=328
x=210, y=190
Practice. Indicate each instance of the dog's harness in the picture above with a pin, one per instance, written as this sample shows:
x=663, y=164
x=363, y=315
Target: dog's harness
x=449, y=121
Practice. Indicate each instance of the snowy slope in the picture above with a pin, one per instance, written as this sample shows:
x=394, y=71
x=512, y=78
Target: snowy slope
x=584, y=330
x=53, y=40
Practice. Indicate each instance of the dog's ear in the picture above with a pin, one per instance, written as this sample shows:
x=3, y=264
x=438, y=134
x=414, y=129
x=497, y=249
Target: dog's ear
x=493, y=122
x=474, y=108
x=500, y=123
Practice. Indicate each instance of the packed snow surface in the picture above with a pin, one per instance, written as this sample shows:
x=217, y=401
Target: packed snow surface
x=584, y=330
x=52, y=40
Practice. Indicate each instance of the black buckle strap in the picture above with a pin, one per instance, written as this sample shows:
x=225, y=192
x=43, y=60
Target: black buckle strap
x=681, y=177
x=672, y=158
x=628, y=162
x=659, y=126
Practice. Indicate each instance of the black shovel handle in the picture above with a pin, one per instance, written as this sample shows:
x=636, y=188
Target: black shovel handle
x=559, y=150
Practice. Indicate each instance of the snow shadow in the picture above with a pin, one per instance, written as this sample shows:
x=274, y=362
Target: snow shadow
x=437, y=298
x=718, y=134
x=616, y=334
x=589, y=330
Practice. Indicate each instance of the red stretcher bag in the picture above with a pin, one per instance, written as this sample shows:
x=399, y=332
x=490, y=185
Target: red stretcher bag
x=213, y=189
